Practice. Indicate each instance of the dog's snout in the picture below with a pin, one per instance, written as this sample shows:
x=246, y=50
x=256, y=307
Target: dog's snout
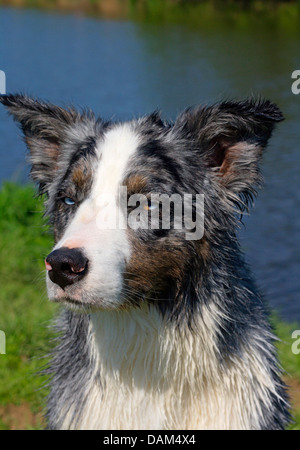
x=66, y=266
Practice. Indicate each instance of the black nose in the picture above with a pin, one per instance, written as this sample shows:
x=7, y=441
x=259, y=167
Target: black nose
x=66, y=266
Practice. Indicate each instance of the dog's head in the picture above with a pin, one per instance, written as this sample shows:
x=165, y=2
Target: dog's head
x=89, y=169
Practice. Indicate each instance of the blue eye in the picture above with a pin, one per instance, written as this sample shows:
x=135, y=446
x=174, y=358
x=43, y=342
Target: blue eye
x=68, y=201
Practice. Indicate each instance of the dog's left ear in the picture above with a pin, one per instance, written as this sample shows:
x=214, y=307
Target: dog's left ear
x=44, y=126
x=230, y=138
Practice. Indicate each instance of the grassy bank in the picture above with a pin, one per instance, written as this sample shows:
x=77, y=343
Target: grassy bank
x=282, y=14
x=25, y=313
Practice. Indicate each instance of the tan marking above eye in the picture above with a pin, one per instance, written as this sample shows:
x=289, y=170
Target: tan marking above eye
x=135, y=184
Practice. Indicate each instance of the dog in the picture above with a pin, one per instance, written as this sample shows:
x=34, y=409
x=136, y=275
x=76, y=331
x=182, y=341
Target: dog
x=158, y=331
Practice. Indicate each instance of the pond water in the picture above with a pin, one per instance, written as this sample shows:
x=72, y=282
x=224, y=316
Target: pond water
x=123, y=69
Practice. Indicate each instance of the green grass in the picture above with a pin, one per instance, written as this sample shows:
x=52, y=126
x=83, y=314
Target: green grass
x=207, y=13
x=290, y=363
x=25, y=311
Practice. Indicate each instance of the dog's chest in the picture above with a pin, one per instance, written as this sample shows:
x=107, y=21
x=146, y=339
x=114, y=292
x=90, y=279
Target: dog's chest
x=145, y=375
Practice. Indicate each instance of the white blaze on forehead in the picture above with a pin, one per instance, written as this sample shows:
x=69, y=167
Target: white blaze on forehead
x=119, y=144
x=100, y=210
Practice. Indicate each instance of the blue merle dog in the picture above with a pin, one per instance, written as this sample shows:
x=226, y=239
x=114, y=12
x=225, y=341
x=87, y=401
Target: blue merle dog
x=156, y=331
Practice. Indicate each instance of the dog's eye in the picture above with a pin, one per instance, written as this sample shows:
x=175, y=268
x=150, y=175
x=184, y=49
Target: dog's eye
x=150, y=206
x=68, y=201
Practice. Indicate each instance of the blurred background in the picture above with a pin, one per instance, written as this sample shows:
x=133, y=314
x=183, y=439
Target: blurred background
x=123, y=59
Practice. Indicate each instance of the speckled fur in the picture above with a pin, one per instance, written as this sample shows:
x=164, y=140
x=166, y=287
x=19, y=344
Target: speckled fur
x=189, y=345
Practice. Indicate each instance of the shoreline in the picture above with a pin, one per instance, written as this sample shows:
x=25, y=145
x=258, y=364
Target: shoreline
x=282, y=13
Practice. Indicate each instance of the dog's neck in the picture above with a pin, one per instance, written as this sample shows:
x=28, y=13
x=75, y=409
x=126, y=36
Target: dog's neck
x=150, y=374
x=140, y=346
x=144, y=373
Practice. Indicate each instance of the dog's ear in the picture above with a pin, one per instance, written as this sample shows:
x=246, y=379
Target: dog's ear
x=44, y=126
x=230, y=137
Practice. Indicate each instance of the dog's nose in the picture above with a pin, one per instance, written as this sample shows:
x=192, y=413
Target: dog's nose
x=66, y=266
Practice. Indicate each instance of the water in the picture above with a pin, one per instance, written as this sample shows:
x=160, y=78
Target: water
x=123, y=69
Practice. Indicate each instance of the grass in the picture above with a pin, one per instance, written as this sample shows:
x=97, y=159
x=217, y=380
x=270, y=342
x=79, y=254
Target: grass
x=25, y=312
x=290, y=363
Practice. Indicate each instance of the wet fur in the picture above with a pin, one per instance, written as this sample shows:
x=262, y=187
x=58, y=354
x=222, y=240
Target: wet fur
x=191, y=347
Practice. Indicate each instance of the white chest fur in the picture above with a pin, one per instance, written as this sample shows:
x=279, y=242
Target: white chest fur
x=149, y=375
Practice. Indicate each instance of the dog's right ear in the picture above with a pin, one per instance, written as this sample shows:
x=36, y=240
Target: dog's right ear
x=44, y=126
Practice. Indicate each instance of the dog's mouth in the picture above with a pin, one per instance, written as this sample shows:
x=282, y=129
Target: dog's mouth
x=82, y=299
x=77, y=305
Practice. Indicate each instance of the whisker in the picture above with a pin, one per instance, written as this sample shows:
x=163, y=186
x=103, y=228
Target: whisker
x=132, y=292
